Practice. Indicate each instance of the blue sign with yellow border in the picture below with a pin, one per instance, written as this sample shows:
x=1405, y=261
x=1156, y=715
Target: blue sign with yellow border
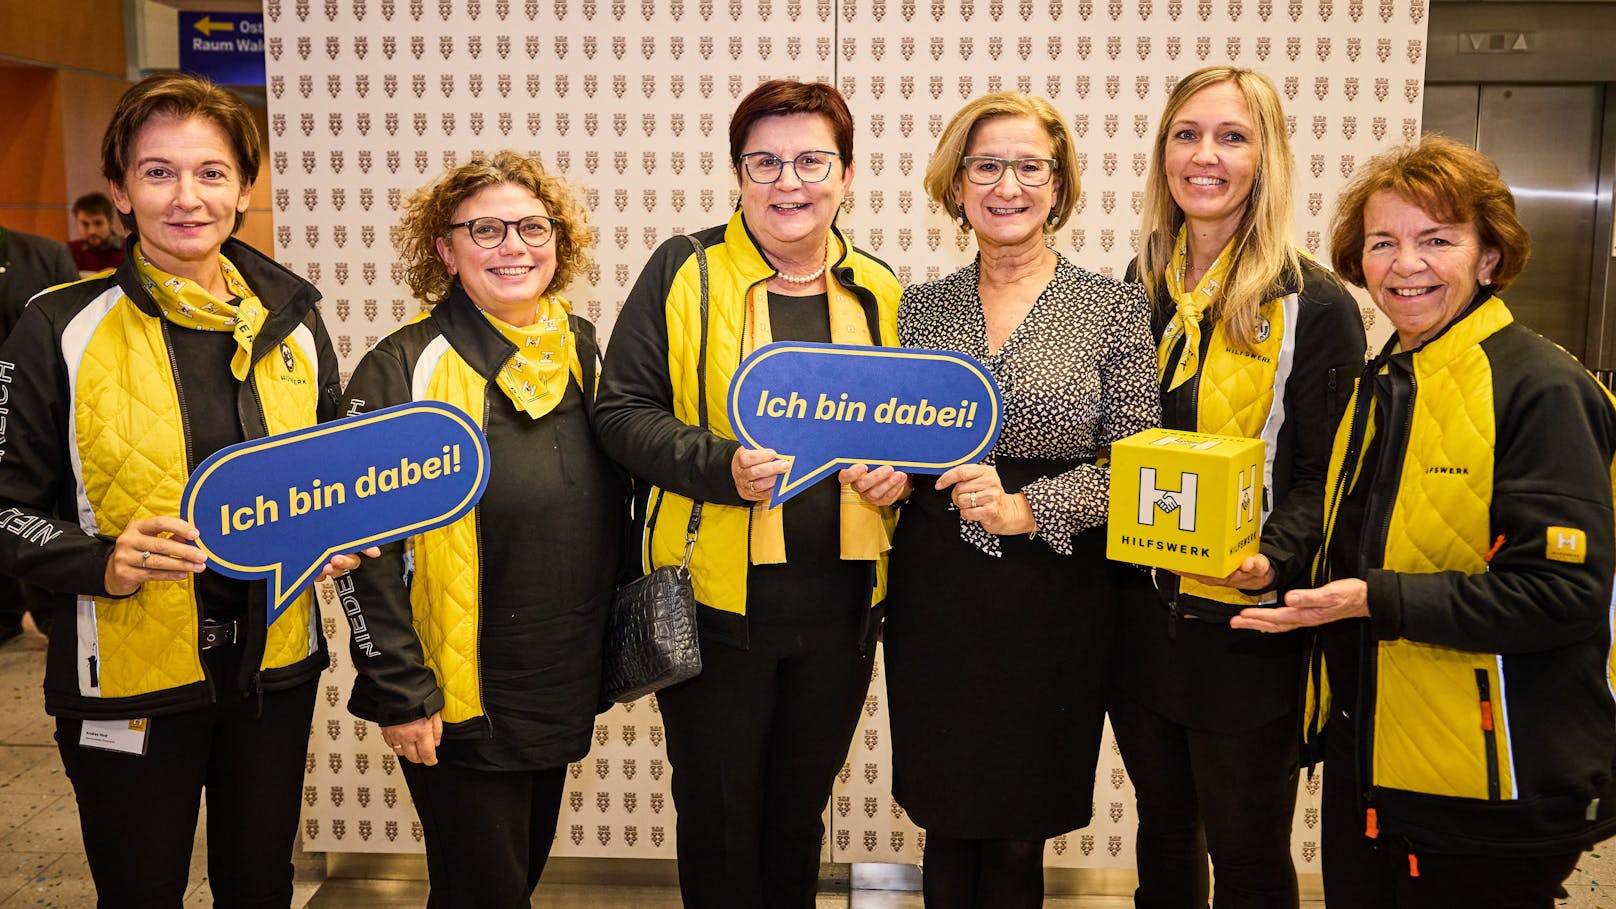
x=829, y=406
x=280, y=507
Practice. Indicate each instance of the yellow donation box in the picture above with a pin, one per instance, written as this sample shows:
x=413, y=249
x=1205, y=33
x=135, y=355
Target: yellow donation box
x=1185, y=501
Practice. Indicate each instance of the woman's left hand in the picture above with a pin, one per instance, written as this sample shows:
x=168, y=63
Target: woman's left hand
x=1344, y=599
x=980, y=497
x=342, y=564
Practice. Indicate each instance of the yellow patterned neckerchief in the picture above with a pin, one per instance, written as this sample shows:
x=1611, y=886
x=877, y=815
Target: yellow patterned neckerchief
x=1190, y=305
x=863, y=533
x=188, y=305
x=535, y=377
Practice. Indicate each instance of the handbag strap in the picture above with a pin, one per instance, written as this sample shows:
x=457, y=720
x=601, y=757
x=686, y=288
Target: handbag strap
x=701, y=392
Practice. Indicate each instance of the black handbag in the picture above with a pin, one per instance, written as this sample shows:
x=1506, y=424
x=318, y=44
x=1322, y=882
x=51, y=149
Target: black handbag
x=651, y=639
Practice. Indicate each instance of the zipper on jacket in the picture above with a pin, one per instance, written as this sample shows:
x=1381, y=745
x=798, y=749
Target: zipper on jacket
x=190, y=464
x=95, y=671
x=477, y=547
x=1489, y=732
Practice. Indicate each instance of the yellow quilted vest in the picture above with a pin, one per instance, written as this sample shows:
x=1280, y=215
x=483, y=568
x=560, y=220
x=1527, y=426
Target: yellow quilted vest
x=1235, y=396
x=720, y=562
x=444, y=597
x=129, y=436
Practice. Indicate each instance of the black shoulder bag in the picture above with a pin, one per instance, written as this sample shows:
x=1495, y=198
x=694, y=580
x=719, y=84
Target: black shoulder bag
x=651, y=638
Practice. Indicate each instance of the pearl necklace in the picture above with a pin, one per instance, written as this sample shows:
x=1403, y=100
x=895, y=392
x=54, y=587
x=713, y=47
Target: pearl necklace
x=812, y=276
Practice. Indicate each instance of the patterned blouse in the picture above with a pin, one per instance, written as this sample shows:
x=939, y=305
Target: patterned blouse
x=1077, y=374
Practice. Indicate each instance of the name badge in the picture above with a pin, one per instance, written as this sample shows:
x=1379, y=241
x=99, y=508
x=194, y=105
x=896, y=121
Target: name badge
x=127, y=736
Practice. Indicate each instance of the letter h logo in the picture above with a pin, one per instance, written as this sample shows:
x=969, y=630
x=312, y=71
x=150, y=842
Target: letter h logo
x=1246, y=510
x=1181, y=500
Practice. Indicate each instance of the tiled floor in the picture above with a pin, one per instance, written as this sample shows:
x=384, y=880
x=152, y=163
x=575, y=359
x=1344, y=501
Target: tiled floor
x=42, y=856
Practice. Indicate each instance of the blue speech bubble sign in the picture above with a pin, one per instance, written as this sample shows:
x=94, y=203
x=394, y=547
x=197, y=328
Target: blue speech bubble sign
x=280, y=507
x=828, y=406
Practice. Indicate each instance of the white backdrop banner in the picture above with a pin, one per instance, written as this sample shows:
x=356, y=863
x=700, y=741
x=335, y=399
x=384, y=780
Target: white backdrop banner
x=630, y=100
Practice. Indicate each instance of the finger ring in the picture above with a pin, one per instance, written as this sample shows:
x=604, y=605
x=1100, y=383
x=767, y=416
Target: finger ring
x=143, y=557
x=398, y=747
x=973, y=500
x=750, y=486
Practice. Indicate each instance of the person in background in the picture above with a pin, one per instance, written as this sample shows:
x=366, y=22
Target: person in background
x=164, y=677
x=1464, y=581
x=790, y=596
x=1254, y=339
x=485, y=670
x=99, y=247
x=29, y=264
x=999, y=628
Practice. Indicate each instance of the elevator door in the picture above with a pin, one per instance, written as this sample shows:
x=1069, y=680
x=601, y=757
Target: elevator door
x=1545, y=139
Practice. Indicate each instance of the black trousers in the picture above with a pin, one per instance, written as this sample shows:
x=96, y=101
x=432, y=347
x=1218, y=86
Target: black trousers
x=488, y=832
x=138, y=812
x=1364, y=873
x=1228, y=794
x=755, y=743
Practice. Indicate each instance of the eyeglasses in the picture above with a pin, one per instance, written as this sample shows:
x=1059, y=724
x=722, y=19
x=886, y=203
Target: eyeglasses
x=986, y=171
x=810, y=166
x=490, y=233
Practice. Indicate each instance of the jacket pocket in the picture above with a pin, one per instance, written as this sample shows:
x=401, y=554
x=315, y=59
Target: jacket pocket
x=1440, y=723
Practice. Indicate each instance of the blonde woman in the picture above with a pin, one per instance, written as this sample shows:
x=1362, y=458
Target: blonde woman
x=1254, y=339
x=1001, y=618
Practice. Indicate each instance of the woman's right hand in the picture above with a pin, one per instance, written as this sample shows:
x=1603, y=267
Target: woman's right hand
x=153, y=549
x=882, y=486
x=755, y=470
x=1255, y=573
x=416, y=740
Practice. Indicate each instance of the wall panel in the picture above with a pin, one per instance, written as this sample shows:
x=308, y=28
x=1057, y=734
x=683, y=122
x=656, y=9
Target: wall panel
x=630, y=99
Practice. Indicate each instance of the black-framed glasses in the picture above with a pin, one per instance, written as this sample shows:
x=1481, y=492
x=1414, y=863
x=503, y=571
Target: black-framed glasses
x=984, y=170
x=490, y=232
x=810, y=166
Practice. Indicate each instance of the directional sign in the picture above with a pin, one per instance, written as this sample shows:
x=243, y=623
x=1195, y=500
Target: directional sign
x=226, y=47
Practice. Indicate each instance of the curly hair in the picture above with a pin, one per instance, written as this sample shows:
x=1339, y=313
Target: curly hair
x=429, y=211
x=1453, y=183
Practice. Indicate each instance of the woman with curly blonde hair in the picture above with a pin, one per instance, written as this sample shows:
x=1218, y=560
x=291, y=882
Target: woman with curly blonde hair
x=485, y=664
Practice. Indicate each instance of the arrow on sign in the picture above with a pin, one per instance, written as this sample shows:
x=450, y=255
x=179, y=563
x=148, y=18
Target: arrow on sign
x=207, y=26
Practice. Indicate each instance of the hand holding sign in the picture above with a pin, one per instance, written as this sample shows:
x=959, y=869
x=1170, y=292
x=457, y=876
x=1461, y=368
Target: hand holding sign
x=826, y=406
x=279, y=507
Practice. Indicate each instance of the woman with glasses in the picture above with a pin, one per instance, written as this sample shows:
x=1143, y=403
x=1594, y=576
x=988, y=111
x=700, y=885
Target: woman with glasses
x=484, y=669
x=1254, y=340
x=789, y=595
x=999, y=628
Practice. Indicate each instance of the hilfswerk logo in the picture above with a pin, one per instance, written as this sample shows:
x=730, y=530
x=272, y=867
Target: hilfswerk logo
x=1153, y=498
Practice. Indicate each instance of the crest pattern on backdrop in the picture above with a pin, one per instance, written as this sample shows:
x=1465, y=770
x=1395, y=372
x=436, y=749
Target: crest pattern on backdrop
x=629, y=100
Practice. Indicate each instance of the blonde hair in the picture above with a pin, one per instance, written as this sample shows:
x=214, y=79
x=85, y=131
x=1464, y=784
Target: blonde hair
x=1264, y=248
x=956, y=137
x=429, y=210
x=1451, y=182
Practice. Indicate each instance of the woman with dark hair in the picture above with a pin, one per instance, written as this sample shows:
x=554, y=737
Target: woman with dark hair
x=163, y=677
x=789, y=596
x=1254, y=339
x=486, y=670
x=1464, y=582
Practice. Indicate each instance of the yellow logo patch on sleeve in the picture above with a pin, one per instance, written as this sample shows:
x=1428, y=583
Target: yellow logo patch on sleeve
x=1567, y=544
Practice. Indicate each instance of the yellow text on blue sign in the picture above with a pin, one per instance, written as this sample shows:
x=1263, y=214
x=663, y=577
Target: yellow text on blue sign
x=1185, y=501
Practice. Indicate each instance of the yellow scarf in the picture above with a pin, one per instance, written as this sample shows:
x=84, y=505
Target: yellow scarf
x=188, y=305
x=535, y=377
x=1191, y=304
x=863, y=532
